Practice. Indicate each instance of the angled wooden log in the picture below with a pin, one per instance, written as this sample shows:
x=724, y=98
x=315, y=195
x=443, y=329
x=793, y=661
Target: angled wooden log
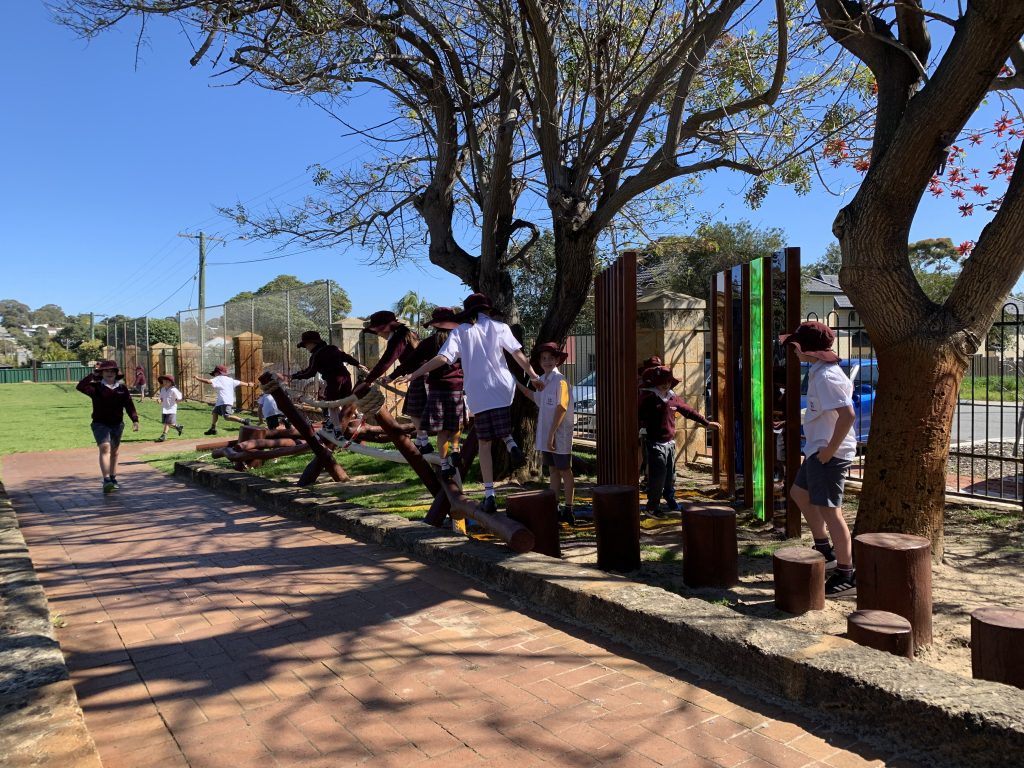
x=518, y=537
x=271, y=383
x=409, y=451
x=266, y=443
x=235, y=454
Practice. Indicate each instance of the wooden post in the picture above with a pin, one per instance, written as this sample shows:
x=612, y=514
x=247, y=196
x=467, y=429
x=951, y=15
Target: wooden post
x=710, y=558
x=894, y=573
x=248, y=366
x=799, y=579
x=440, y=507
x=405, y=446
x=617, y=522
x=882, y=631
x=538, y=511
x=299, y=422
x=997, y=645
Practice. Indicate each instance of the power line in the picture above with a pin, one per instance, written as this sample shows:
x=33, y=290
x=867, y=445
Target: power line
x=247, y=261
x=176, y=291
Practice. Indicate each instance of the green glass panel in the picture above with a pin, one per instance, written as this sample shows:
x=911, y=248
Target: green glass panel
x=756, y=339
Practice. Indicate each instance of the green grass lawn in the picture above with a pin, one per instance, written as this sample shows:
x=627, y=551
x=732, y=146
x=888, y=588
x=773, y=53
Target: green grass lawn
x=54, y=417
x=999, y=388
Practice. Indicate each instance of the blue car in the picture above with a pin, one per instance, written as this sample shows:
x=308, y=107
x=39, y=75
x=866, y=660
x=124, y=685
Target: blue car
x=863, y=372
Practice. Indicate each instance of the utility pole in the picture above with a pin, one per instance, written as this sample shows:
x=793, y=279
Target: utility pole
x=202, y=286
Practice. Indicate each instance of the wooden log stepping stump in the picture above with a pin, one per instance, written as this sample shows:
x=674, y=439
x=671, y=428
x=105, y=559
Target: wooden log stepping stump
x=882, y=631
x=617, y=524
x=894, y=573
x=538, y=511
x=246, y=432
x=997, y=645
x=799, y=579
x=710, y=558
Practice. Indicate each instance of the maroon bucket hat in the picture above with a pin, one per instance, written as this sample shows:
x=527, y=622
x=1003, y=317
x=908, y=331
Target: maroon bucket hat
x=166, y=377
x=814, y=339
x=381, y=320
x=443, y=318
x=472, y=304
x=220, y=370
x=554, y=349
x=651, y=362
x=310, y=336
x=658, y=375
x=109, y=365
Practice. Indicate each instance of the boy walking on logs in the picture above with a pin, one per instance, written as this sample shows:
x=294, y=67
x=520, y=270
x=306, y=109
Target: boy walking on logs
x=554, y=424
x=830, y=448
x=110, y=399
x=169, y=397
x=329, y=361
x=658, y=408
x=481, y=343
x=224, y=386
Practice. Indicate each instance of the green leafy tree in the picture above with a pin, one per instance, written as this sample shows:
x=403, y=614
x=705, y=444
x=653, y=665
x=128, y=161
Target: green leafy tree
x=163, y=331
x=686, y=264
x=829, y=263
x=48, y=314
x=89, y=350
x=13, y=313
x=413, y=309
x=54, y=351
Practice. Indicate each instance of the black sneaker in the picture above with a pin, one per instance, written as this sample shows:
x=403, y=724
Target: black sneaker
x=490, y=505
x=841, y=583
x=455, y=458
x=425, y=448
x=830, y=557
x=161, y=439
x=210, y=431
x=448, y=473
x=113, y=482
x=109, y=486
x=246, y=422
x=671, y=505
x=179, y=428
x=517, y=457
x=656, y=513
x=566, y=516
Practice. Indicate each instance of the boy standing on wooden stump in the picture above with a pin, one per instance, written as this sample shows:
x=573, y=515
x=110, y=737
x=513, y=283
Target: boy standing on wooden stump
x=830, y=449
x=481, y=343
x=658, y=409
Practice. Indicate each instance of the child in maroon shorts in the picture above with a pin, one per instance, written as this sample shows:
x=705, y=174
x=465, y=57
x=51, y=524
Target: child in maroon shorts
x=481, y=343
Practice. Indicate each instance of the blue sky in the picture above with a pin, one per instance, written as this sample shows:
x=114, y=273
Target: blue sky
x=106, y=163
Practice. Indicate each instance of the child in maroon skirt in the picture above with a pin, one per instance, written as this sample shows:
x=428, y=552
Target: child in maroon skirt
x=446, y=408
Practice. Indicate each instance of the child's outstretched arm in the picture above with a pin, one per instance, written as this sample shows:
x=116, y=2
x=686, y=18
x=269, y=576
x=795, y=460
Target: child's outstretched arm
x=431, y=365
x=524, y=363
x=847, y=416
x=526, y=391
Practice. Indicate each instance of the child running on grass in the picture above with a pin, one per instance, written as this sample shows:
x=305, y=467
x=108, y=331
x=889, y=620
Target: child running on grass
x=224, y=386
x=658, y=409
x=481, y=344
x=554, y=425
x=110, y=400
x=830, y=449
x=169, y=397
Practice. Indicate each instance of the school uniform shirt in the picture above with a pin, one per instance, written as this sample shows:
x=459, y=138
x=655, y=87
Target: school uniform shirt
x=489, y=383
x=224, y=386
x=658, y=411
x=169, y=397
x=556, y=394
x=401, y=347
x=828, y=388
x=329, y=361
x=108, y=403
x=268, y=406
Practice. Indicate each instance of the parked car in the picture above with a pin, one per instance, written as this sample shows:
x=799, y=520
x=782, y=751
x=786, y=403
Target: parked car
x=584, y=398
x=863, y=372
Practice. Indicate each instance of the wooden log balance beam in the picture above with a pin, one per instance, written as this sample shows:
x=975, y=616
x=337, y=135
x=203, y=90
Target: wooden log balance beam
x=323, y=455
x=236, y=454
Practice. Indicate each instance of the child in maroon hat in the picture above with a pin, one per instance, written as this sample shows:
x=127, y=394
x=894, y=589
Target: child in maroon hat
x=481, y=343
x=329, y=361
x=829, y=450
x=224, y=405
x=169, y=397
x=446, y=405
x=658, y=409
x=110, y=400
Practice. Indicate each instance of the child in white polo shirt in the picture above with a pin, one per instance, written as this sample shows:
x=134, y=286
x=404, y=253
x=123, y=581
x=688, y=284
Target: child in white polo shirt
x=481, y=344
x=169, y=397
x=829, y=451
x=224, y=386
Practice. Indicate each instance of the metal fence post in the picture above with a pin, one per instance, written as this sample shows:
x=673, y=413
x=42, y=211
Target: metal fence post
x=330, y=315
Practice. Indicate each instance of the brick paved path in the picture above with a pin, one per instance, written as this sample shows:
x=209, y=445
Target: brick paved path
x=201, y=632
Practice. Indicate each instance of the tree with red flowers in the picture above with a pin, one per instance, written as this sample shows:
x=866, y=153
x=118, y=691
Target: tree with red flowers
x=923, y=347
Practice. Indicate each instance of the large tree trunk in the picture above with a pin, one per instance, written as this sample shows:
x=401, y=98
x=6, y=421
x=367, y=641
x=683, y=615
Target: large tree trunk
x=575, y=257
x=908, y=447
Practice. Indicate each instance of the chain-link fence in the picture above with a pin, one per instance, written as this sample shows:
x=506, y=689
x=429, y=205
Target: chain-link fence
x=128, y=343
x=251, y=335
